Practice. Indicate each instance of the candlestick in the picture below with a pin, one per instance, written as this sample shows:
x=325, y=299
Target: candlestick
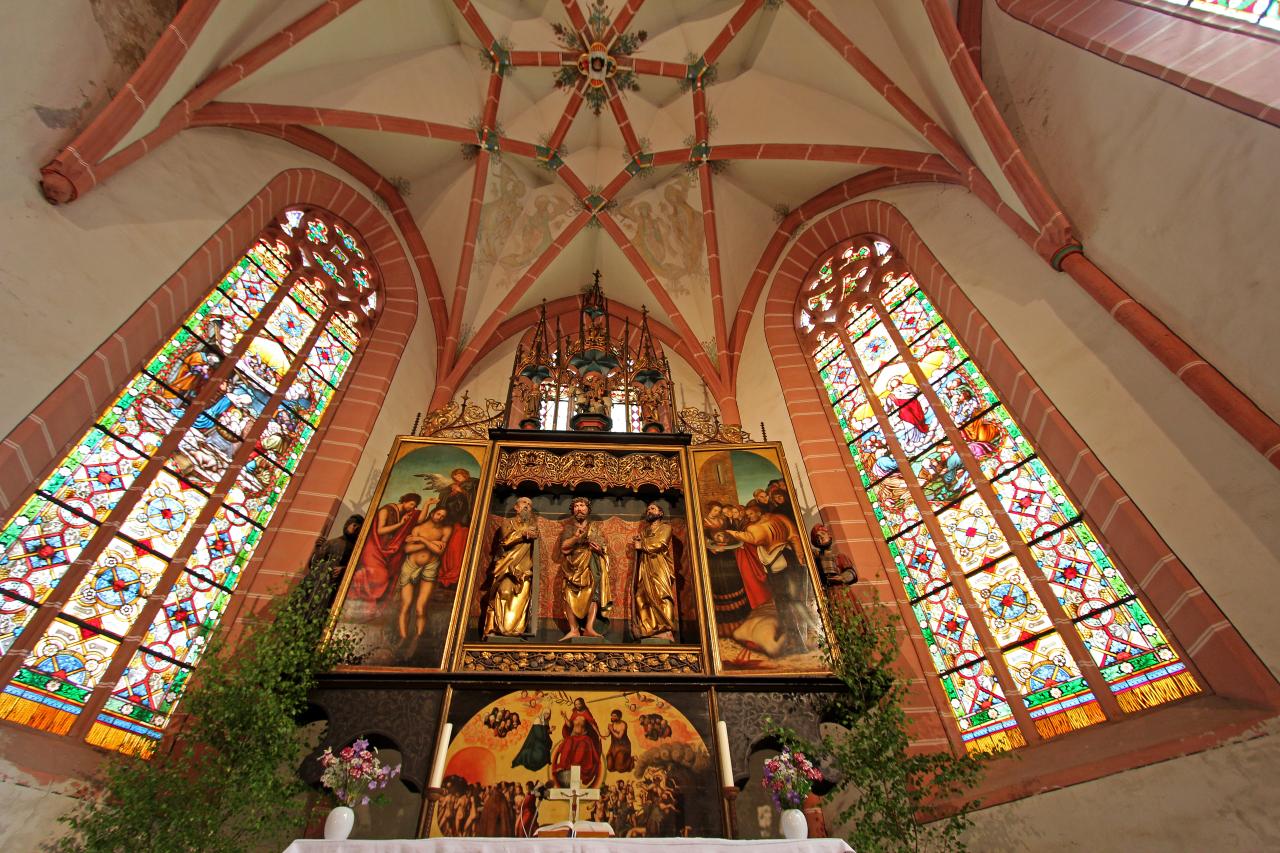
x=722, y=749
x=442, y=752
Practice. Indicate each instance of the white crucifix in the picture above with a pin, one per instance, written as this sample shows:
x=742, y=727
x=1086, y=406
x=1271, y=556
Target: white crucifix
x=574, y=794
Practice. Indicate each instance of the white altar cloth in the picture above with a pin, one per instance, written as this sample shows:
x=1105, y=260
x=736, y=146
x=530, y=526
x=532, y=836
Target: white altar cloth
x=570, y=845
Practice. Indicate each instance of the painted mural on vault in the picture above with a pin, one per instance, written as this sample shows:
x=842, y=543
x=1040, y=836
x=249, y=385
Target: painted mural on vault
x=646, y=753
x=665, y=224
x=518, y=221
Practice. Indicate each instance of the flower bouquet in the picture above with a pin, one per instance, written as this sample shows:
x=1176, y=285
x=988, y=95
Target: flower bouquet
x=356, y=775
x=789, y=779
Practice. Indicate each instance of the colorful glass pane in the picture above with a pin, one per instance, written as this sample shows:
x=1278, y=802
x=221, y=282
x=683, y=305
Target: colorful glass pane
x=1044, y=671
x=854, y=414
x=850, y=282
x=115, y=589
x=944, y=622
x=309, y=395
x=838, y=376
x=329, y=359
x=164, y=514
x=995, y=441
x=918, y=561
x=828, y=346
x=348, y=240
x=317, y=231
x=272, y=258
x=249, y=286
x=893, y=505
x=894, y=385
x=40, y=543
x=143, y=697
x=875, y=349
x=916, y=426
x=257, y=490
x=143, y=414
x=186, y=619
x=328, y=266
x=219, y=321
x=266, y=362
x=914, y=317
x=340, y=255
x=1244, y=10
x=964, y=393
x=290, y=324
x=1034, y=502
x=1082, y=577
x=361, y=277
x=1009, y=603
x=203, y=455
x=71, y=655
x=977, y=699
x=224, y=549
x=942, y=474
x=938, y=351
x=285, y=438
x=862, y=323
x=872, y=455
x=185, y=363
x=1122, y=636
x=14, y=616
x=236, y=408
x=972, y=533
x=895, y=292
x=345, y=335
x=95, y=474
x=310, y=295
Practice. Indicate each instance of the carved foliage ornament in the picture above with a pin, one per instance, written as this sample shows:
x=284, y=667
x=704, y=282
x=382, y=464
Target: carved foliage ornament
x=555, y=661
x=463, y=420
x=707, y=429
x=572, y=468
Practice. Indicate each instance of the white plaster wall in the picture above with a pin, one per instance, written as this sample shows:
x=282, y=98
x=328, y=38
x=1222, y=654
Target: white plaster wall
x=1173, y=195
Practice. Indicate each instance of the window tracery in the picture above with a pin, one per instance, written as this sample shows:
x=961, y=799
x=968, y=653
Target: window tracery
x=1028, y=620
x=172, y=488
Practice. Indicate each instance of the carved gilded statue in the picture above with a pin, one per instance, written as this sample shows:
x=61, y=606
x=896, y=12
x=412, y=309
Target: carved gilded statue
x=512, y=575
x=654, y=613
x=586, y=571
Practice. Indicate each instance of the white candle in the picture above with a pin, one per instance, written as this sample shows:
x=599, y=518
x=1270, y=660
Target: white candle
x=442, y=752
x=722, y=749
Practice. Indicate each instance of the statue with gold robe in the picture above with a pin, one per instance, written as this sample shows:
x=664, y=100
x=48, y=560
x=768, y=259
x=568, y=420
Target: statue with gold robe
x=654, y=603
x=586, y=572
x=511, y=579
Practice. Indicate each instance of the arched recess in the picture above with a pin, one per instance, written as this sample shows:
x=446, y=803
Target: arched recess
x=40, y=441
x=1229, y=667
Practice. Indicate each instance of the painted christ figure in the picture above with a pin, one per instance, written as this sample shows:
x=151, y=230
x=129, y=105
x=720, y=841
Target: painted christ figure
x=580, y=745
x=586, y=572
x=423, y=552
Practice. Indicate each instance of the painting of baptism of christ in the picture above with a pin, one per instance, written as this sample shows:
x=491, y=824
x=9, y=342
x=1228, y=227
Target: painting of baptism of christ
x=646, y=754
x=399, y=590
x=767, y=610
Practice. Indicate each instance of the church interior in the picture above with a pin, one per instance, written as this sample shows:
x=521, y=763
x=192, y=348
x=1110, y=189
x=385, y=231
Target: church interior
x=601, y=343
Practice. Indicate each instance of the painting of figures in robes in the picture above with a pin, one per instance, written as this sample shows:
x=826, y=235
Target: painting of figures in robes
x=647, y=754
x=765, y=602
x=399, y=591
x=626, y=578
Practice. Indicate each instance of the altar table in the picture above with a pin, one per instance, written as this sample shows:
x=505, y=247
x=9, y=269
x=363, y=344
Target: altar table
x=570, y=845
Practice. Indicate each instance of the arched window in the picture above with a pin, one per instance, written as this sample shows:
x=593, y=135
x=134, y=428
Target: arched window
x=1027, y=619
x=172, y=488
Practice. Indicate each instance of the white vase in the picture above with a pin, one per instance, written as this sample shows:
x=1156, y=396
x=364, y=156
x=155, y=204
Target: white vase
x=337, y=826
x=794, y=824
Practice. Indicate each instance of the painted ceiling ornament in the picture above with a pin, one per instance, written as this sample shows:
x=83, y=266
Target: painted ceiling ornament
x=597, y=65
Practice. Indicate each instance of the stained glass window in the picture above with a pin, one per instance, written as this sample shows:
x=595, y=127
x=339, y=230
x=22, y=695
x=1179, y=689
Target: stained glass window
x=138, y=537
x=1264, y=12
x=1030, y=624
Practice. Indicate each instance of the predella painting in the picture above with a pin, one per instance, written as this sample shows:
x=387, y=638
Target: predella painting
x=645, y=753
x=403, y=579
x=767, y=616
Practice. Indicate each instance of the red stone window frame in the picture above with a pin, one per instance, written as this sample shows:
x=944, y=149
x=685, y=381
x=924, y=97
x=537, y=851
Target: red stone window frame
x=40, y=441
x=1233, y=63
x=1240, y=691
